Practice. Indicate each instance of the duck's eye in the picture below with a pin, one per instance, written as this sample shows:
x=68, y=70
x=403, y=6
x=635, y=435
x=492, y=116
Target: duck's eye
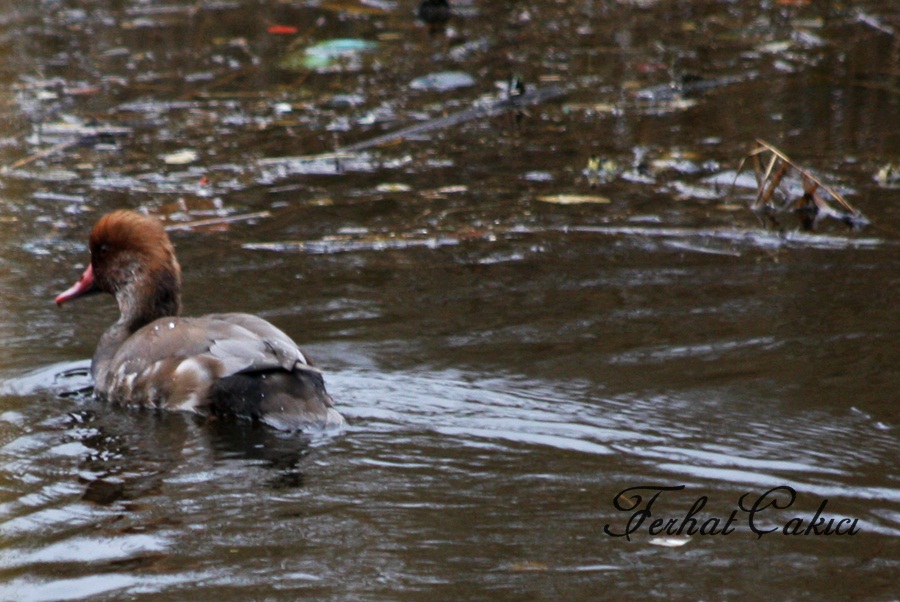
x=103, y=249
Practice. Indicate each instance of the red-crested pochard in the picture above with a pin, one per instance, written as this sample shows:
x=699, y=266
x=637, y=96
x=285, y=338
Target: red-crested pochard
x=219, y=364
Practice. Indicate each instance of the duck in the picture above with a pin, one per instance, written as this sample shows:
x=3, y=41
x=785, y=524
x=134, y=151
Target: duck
x=217, y=365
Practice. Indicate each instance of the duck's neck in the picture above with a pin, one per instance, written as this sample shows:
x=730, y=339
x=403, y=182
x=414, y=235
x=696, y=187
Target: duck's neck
x=140, y=303
x=154, y=296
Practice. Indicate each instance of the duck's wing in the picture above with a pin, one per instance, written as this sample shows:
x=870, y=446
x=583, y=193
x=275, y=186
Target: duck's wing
x=272, y=380
x=275, y=339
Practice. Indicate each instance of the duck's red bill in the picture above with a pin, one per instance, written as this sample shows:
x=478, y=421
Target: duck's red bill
x=84, y=286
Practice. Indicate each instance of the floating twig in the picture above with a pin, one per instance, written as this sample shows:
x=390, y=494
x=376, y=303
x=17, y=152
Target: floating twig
x=216, y=221
x=44, y=153
x=511, y=103
x=490, y=110
x=874, y=22
x=75, y=135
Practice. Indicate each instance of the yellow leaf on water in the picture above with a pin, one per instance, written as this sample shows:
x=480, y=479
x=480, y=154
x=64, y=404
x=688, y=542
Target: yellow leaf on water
x=352, y=8
x=393, y=187
x=452, y=189
x=181, y=157
x=573, y=199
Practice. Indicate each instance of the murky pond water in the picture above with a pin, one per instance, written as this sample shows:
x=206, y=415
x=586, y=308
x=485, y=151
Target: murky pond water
x=514, y=342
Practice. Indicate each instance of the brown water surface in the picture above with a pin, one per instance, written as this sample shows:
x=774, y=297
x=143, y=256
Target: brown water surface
x=508, y=363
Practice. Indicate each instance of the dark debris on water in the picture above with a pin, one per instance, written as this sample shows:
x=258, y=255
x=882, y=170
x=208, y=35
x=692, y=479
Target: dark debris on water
x=778, y=195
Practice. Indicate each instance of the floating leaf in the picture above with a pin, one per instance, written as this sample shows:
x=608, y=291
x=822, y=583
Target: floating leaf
x=600, y=171
x=325, y=55
x=181, y=157
x=573, y=199
x=282, y=30
x=888, y=175
x=393, y=187
x=354, y=8
x=452, y=189
x=443, y=81
x=775, y=47
x=591, y=107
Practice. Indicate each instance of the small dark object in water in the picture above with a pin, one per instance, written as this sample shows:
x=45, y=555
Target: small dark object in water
x=435, y=14
x=103, y=492
x=515, y=88
x=806, y=211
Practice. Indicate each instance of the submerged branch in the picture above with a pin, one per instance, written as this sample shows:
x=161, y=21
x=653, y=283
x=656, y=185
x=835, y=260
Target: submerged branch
x=499, y=107
x=491, y=110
